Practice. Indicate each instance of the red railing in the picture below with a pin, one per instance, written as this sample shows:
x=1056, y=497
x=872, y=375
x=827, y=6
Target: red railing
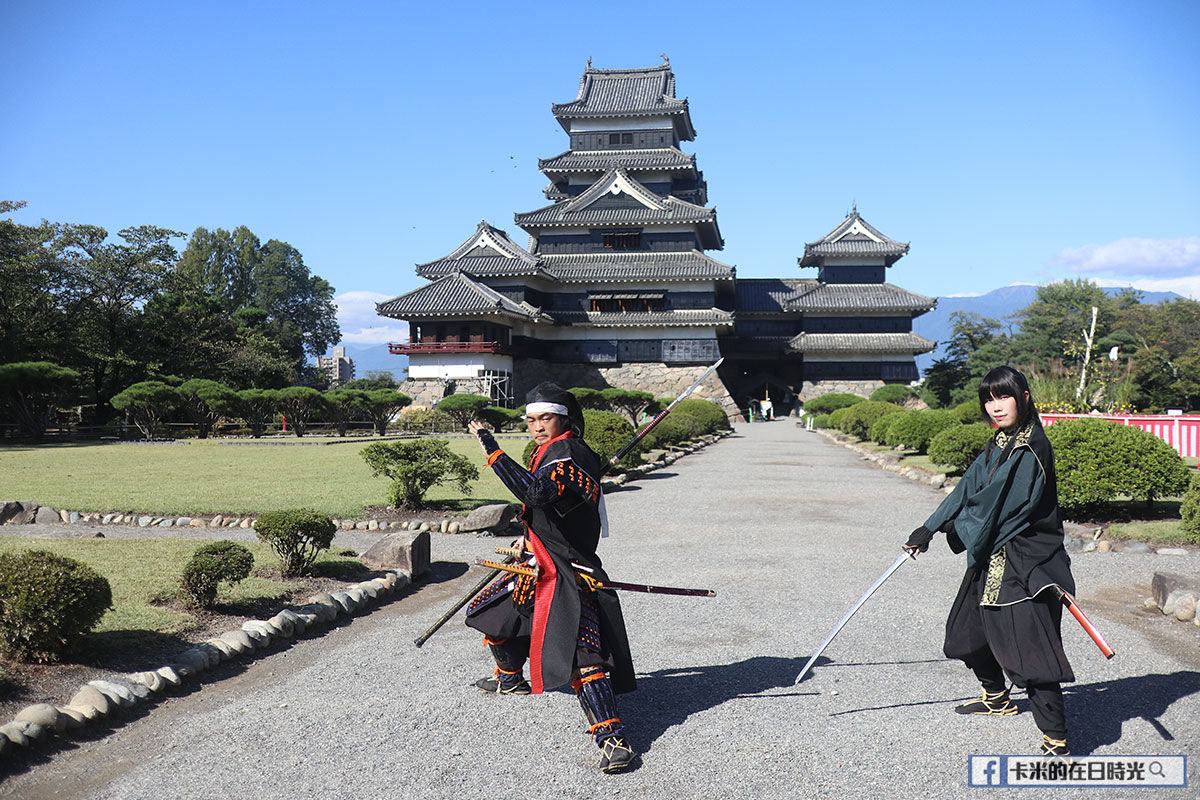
x=1181, y=432
x=408, y=348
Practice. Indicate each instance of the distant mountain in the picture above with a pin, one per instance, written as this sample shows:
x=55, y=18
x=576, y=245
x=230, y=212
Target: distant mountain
x=997, y=304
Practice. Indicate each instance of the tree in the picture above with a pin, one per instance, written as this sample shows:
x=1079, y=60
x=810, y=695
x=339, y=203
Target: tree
x=627, y=402
x=588, y=398
x=1052, y=325
x=298, y=404
x=1167, y=354
x=374, y=379
x=146, y=403
x=383, y=405
x=205, y=402
x=417, y=466
x=342, y=405
x=257, y=407
x=111, y=283
x=31, y=391
x=32, y=321
x=463, y=407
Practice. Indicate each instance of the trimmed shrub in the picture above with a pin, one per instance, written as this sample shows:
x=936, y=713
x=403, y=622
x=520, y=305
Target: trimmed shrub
x=499, y=419
x=879, y=428
x=209, y=565
x=463, y=407
x=893, y=393
x=915, y=429
x=1189, y=510
x=47, y=603
x=427, y=420
x=822, y=421
x=828, y=403
x=297, y=536
x=968, y=412
x=709, y=415
x=861, y=416
x=674, y=429
x=1099, y=461
x=417, y=466
x=959, y=445
x=838, y=417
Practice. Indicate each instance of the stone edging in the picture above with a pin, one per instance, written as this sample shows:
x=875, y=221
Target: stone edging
x=100, y=699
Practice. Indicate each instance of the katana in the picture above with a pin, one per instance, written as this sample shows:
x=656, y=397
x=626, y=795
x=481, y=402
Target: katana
x=637, y=437
x=466, y=598
x=895, y=566
x=531, y=571
x=1088, y=627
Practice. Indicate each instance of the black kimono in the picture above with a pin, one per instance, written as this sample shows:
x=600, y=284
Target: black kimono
x=569, y=626
x=1004, y=513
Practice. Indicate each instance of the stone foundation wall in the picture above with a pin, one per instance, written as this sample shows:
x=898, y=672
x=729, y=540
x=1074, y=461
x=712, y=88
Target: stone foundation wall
x=426, y=392
x=811, y=389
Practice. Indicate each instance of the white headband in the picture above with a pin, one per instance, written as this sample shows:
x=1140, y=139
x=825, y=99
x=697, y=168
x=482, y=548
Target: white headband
x=541, y=408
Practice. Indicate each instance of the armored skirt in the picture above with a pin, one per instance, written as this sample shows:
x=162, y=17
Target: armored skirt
x=1004, y=513
x=568, y=625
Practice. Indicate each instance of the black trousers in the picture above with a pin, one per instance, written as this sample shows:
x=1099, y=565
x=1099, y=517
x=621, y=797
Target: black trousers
x=1045, y=699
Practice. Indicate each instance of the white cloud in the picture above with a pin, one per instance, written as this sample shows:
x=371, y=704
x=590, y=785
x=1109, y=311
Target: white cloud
x=1188, y=287
x=361, y=325
x=1153, y=259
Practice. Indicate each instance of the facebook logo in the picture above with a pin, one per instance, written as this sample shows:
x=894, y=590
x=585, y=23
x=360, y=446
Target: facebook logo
x=987, y=771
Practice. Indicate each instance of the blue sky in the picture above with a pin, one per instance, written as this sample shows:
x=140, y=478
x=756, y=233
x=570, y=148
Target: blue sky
x=1008, y=143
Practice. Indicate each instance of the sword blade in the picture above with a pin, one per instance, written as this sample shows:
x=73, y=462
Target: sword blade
x=628, y=587
x=895, y=566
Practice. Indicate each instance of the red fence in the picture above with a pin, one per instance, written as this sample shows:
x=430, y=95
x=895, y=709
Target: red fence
x=1182, y=433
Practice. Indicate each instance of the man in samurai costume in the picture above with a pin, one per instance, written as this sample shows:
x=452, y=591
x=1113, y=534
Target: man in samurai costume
x=568, y=631
x=1004, y=513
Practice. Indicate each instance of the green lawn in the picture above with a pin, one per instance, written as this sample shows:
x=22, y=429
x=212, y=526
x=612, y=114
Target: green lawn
x=204, y=476
x=143, y=571
x=1155, y=532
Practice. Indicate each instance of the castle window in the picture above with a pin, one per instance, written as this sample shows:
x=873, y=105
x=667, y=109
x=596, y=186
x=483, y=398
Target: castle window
x=622, y=240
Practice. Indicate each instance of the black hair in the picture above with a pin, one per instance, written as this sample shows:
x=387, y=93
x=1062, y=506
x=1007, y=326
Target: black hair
x=1008, y=382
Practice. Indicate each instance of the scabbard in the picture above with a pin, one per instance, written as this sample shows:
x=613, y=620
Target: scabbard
x=521, y=569
x=1086, y=623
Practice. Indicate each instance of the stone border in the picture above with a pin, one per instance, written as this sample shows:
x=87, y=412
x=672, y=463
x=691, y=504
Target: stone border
x=1175, y=596
x=100, y=699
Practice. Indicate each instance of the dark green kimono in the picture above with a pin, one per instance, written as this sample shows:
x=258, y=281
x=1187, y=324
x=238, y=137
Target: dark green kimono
x=1004, y=514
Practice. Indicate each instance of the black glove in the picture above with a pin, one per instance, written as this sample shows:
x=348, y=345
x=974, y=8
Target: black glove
x=488, y=441
x=919, y=539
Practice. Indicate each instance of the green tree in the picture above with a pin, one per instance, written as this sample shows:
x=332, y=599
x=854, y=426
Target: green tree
x=463, y=407
x=33, y=323
x=31, y=392
x=257, y=407
x=383, y=405
x=205, y=402
x=298, y=405
x=627, y=402
x=417, y=466
x=1052, y=325
x=343, y=405
x=1166, y=355
x=147, y=403
x=374, y=379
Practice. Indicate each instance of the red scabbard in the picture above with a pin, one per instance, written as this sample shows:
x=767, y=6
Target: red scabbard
x=1088, y=627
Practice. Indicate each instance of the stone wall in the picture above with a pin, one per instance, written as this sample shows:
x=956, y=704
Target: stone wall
x=426, y=392
x=811, y=389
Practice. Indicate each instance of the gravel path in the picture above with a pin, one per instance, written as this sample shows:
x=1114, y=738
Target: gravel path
x=790, y=530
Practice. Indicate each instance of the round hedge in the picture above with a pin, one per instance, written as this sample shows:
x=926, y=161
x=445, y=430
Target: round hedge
x=1099, y=461
x=822, y=421
x=47, y=603
x=674, y=429
x=712, y=417
x=1189, y=510
x=915, y=429
x=212, y=563
x=893, y=393
x=861, y=416
x=297, y=536
x=828, y=403
x=959, y=445
x=838, y=417
x=879, y=428
x=968, y=412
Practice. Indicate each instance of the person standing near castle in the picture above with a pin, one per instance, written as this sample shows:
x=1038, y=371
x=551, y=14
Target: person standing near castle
x=568, y=631
x=1004, y=513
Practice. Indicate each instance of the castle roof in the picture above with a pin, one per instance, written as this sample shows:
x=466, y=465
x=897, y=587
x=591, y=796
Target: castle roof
x=662, y=158
x=487, y=252
x=706, y=317
x=908, y=343
x=632, y=265
x=649, y=91
x=853, y=238
x=456, y=295
x=821, y=297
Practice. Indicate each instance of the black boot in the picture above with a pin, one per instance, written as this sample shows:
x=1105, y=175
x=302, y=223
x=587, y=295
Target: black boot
x=510, y=656
x=993, y=704
x=600, y=707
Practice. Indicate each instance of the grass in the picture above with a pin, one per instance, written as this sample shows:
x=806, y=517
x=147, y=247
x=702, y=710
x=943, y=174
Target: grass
x=1158, y=532
x=204, y=476
x=144, y=574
